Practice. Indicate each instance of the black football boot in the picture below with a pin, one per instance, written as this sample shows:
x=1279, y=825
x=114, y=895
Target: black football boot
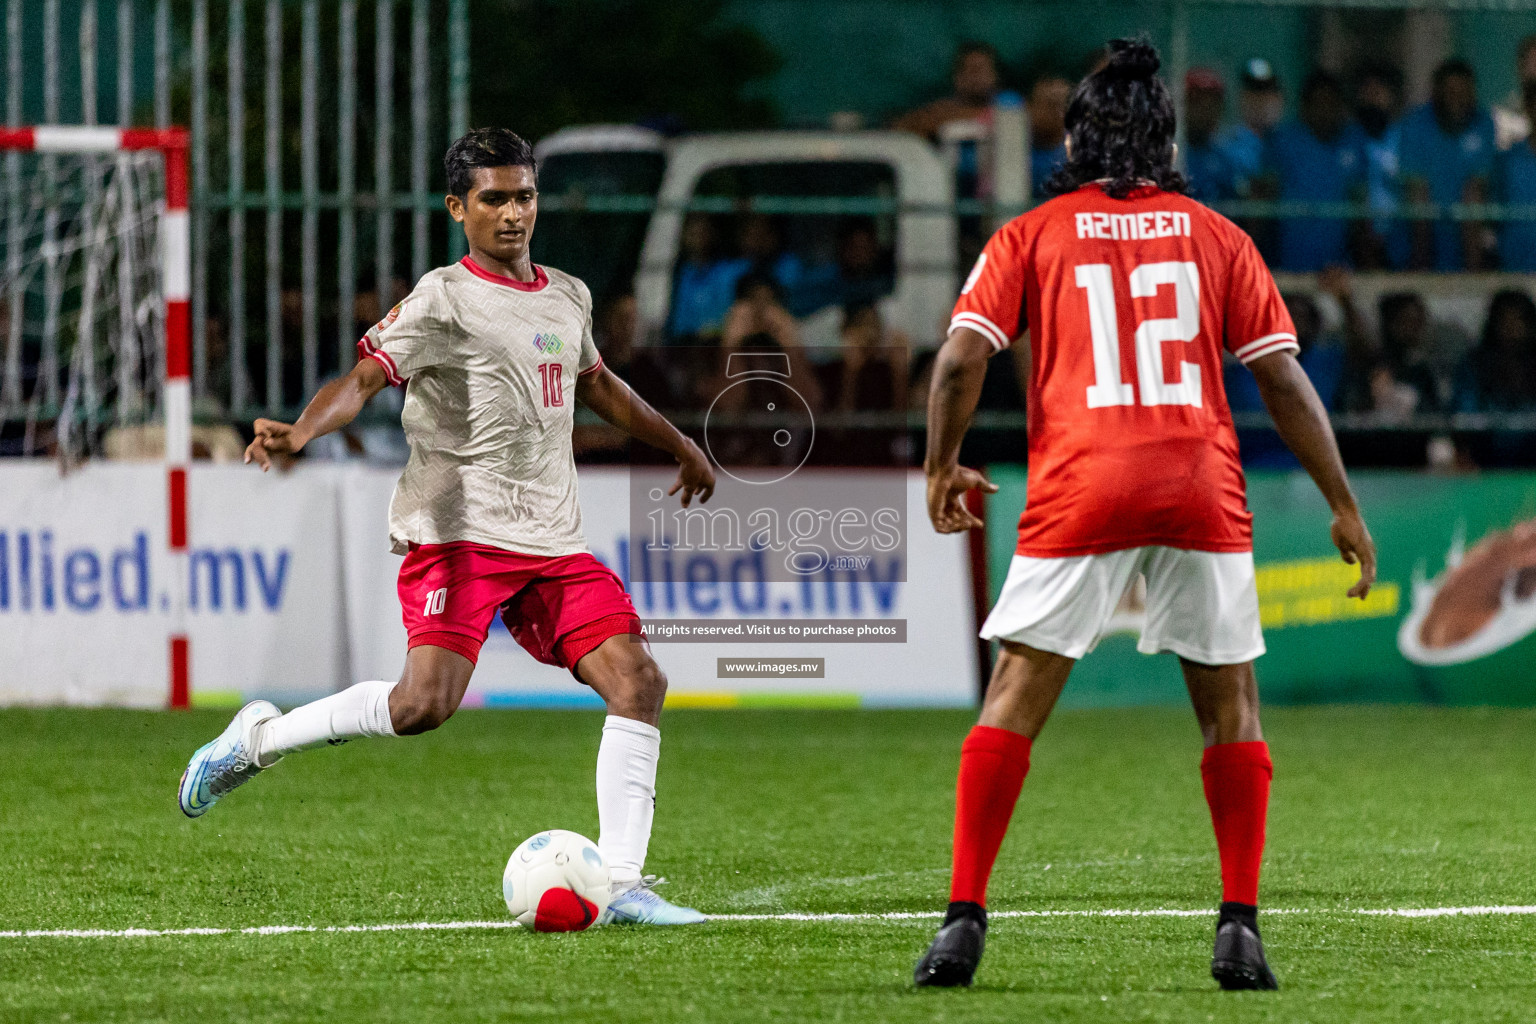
x=956, y=950
x=1238, y=962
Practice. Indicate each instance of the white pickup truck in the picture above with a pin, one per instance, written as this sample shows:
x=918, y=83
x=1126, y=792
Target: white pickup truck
x=891, y=182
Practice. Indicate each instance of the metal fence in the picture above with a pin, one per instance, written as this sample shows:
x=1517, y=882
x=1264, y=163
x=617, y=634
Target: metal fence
x=294, y=219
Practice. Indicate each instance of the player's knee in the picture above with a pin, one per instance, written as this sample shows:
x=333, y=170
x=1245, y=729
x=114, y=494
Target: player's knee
x=644, y=688
x=421, y=709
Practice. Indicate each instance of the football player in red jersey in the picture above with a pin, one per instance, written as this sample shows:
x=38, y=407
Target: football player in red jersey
x=1125, y=293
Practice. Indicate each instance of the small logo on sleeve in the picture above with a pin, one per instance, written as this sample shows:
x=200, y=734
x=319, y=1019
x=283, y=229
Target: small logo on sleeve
x=549, y=344
x=391, y=316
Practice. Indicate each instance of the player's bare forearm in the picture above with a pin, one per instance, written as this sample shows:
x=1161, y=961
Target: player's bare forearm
x=333, y=407
x=1303, y=425
x=957, y=375
x=616, y=402
x=338, y=403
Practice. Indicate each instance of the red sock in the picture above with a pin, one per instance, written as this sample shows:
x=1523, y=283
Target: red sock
x=1236, y=777
x=993, y=763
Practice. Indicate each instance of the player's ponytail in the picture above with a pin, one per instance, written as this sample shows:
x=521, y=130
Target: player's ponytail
x=1121, y=125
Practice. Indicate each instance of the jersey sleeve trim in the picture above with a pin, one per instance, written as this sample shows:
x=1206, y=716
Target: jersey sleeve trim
x=365, y=350
x=591, y=369
x=1267, y=345
x=981, y=325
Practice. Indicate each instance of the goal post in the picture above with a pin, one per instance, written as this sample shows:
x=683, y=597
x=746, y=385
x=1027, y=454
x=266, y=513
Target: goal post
x=173, y=242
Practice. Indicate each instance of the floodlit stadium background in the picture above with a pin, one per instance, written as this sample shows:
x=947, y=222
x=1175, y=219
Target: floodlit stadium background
x=684, y=146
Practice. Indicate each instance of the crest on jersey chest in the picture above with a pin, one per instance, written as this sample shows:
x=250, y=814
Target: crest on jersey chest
x=548, y=343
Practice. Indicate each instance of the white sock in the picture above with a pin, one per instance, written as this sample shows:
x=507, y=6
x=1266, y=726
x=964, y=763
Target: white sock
x=626, y=795
x=361, y=710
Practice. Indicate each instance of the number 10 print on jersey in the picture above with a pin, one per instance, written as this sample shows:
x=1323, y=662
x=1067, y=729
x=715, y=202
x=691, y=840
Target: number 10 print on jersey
x=550, y=381
x=1131, y=442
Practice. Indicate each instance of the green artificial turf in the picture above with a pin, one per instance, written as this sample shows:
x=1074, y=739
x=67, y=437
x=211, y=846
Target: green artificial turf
x=764, y=812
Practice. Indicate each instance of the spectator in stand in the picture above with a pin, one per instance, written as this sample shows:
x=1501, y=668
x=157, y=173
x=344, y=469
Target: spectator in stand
x=1512, y=119
x=1260, y=105
x=1499, y=375
x=1047, y=129
x=1207, y=166
x=761, y=244
x=874, y=365
x=1382, y=242
x=1406, y=380
x=1320, y=159
x=1515, y=183
x=974, y=78
x=705, y=285
x=759, y=312
x=1362, y=348
x=1447, y=156
x=864, y=273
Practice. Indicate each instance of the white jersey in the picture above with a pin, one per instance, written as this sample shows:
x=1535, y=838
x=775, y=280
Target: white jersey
x=489, y=366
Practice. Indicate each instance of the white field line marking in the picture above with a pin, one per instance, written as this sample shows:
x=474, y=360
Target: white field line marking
x=1449, y=911
x=460, y=926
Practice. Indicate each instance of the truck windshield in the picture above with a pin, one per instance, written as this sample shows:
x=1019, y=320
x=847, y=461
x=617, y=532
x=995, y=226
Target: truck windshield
x=601, y=248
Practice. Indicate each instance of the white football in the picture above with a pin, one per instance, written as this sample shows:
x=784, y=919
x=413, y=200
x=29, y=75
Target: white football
x=556, y=881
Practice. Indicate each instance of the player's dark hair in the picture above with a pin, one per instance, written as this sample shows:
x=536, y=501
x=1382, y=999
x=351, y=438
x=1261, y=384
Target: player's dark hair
x=1381, y=71
x=1321, y=81
x=1516, y=300
x=752, y=280
x=485, y=147
x=969, y=47
x=1120, y=122
x=1453, y=67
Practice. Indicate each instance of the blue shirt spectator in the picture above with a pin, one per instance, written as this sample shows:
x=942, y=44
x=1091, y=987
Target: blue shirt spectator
x=1212, y=176
x=1447, y=150
x=702, y=294
x=1318, y=159
x=1384, y=193
x=1244, y=149
x=1378, y=99
x=705, y=286
x=1047, y=129
x=1261, y=104
x=1042, y=164
x=1515, y=183
x=1209, y=169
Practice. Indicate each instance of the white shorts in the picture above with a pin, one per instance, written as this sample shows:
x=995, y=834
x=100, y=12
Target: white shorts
x=1201, y=605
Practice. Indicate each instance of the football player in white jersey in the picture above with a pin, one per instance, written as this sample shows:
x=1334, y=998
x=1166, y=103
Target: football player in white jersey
x=493, y=352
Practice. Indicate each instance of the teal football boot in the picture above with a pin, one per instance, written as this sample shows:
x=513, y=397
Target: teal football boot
x=639, y=904
x=225, y=764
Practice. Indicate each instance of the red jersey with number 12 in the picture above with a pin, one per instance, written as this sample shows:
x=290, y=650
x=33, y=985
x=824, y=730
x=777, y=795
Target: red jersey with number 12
x=1129, y=304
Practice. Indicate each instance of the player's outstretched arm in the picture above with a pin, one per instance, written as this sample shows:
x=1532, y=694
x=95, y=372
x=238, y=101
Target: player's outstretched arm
x=1303, y=425
x=605, y=394
x=333, y=407
x=957, y=375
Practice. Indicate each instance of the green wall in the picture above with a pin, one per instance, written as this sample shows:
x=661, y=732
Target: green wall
x=1323, y=647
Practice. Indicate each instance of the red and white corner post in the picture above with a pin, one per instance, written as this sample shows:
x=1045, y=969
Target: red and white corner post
x=176, y=271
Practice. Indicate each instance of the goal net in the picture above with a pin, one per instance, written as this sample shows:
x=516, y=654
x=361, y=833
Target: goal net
x=82, y=310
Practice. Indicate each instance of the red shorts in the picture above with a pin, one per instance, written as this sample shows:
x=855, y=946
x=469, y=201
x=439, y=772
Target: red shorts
x=559, y=609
